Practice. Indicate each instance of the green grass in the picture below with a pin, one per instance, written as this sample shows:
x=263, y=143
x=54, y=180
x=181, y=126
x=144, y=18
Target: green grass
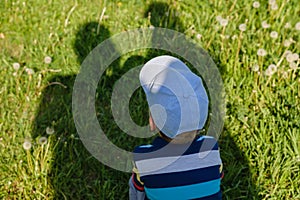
x=260, y=144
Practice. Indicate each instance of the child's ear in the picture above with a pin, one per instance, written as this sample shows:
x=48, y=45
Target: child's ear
x=151, y=123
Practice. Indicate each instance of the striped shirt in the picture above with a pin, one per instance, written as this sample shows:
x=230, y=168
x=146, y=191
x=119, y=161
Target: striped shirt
x=179, y=171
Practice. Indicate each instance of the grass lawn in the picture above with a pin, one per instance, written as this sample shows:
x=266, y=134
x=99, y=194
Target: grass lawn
x=255, y=45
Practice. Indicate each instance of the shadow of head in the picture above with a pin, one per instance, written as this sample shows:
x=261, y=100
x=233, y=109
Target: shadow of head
x=164, y=15
x=74, y=174
x=88, y=37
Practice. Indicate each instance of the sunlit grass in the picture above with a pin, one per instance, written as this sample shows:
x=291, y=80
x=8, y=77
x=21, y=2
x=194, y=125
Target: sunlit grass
x=42, y=44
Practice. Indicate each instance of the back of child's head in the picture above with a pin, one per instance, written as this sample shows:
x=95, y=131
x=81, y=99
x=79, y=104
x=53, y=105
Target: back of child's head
x=176, y=96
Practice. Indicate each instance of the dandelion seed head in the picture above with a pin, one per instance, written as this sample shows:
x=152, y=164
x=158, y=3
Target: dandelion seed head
x=49, y=130
x=224, y=22
x=218, y=18
x=293, y=65
x=256, y=4
x=274, y=6
x=297, y=26
x=47, y=59
x=16, y=66
x=291, y=57
x=27, y=145
x=265, y=24
x=274, y=34
x=199, y=36
x=261, y=52
x=271, y=70
x=151, y=27
x=295, y=56
x=255, y=68
x=29, y=71
x=43, y=140
x=242, y=27
x=271, y=2
x=287, y=52
x=287, y=25
x=287, y=43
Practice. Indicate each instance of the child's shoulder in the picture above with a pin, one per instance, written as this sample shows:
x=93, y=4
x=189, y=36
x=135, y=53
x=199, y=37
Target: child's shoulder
x=205, y=143
x=156, y=144
x=201, y=143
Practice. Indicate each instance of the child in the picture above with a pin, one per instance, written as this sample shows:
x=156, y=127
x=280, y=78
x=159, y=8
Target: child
x=179, y=164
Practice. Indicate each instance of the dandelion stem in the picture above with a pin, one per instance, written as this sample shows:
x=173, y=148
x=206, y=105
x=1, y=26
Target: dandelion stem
x=238, y=51
x=29, y=161
x=69, y=14
x=100, y=20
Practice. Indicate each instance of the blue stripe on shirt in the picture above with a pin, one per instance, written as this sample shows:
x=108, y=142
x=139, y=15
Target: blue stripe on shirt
x=185, y=192
x=182, y=178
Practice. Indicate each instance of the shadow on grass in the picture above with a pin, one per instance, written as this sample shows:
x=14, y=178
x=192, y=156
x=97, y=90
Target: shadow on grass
x=75, y=173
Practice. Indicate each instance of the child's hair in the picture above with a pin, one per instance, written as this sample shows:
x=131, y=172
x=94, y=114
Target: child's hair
x=182, y=138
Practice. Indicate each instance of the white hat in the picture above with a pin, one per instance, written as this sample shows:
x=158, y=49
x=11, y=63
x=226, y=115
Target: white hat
x=177, y=99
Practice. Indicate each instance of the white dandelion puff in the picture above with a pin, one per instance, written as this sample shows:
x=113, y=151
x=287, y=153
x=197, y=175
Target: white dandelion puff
x=49, y=130
x=242, y=27
x=295, y=56
x=287, y=25
x=274, y=34
x=151, y=27
x=27, y=145
x=47, y=59
x=29, y=71
x=16, y=66
x=43, y=140
x=218, y=18
x=271, y=2
x=297, y=26
x=271, y=70
x=261, y=52
x=287, y=43
x=265, y=24
x=256, y=4
x=224, y=22
x=293, y=65
x=199, y=36
x=255, y=68
x=287, y=52
x=274, y=6
x=289, y=57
